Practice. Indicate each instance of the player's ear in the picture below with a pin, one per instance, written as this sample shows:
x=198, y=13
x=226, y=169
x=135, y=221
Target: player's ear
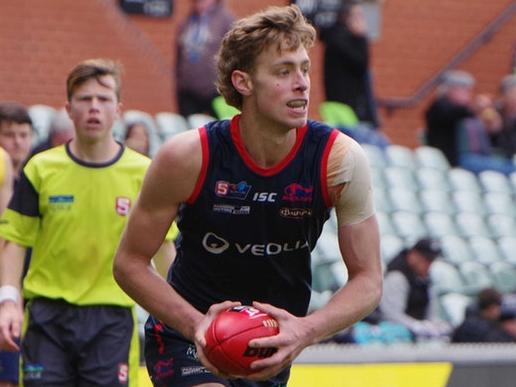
x=242, y=82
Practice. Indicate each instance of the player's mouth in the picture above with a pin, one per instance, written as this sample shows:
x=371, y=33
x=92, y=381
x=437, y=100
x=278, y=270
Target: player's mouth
x=93, y=122
x=298, y=105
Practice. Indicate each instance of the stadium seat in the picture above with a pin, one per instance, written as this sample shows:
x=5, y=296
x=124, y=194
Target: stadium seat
x=432, y=178
x=512, y=179
x=492, y=181
x=170, y=123
x=504, y=276
x=400, y=156
x=404, y=200
x=476, y=277
x=445, y=278
x=485, y=250
x=502, y=225
x=41, y=116
x=391, y=245
x=455, y=249
x=469, y=201
x=382, y=200
x=338, y=114
x=453, y=306
x=472, y=225
x=440, y=224
x=507, y=246
x=221, y=108
x=499, y=203
x=463, y=180
x=377, y=177
x=398, y=177
x=385, y=223
x=375, y=156
x=427, y=156
x=198, y=120
x=409, y=226
x=433, y=200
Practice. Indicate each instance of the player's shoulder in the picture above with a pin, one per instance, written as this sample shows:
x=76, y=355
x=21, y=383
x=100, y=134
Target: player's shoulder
x=51, y=156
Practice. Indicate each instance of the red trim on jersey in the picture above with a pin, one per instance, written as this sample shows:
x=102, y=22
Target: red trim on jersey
x=324, y=168
x=237, y=140
x=204, y=167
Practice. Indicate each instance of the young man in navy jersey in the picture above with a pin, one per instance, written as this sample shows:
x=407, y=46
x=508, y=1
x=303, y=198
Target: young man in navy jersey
x=250, y=196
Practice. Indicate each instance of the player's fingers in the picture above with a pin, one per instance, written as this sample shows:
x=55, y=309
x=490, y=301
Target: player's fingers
x=271, y=310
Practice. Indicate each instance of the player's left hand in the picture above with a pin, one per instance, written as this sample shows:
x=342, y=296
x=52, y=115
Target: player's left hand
x=294, y=335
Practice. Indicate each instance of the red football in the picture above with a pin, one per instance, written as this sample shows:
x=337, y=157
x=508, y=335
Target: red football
x=228, y=336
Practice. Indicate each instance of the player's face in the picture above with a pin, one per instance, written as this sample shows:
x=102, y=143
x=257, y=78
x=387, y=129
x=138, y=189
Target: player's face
x=281, y=86
x=93, y=108
x=16, y=139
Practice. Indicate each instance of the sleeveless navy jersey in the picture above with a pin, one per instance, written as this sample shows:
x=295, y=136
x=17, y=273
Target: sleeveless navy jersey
x=246, y=232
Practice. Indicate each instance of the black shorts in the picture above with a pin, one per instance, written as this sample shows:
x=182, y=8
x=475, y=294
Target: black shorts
x=172, y=361
x=9, y=364
x=69, y=345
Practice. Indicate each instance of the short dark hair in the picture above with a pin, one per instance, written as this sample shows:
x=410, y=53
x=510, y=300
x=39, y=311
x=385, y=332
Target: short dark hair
x=14, y=112
x=93, y=68
x=488, y=297
x=429, y=248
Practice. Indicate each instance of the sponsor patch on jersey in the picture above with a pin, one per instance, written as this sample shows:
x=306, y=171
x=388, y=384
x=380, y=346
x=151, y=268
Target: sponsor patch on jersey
x=228, y=190
x=297, y=193
x=295, y=213
x=60, y=202
x=122, y=205
x=233, y=210
x=32, y=371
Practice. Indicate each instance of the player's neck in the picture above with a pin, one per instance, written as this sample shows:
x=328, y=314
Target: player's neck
x=266, y=144
x=94, y=151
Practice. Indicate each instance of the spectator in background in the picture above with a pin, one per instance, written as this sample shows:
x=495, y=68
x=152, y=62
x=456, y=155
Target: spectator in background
x=198, y=41
x=407, y=297
x=60, y=131
x=16, y=133
x=137, y=137
x=346, y=62
x=483, y=323
x=480, y=140
x=446, y=112
x=507, y=109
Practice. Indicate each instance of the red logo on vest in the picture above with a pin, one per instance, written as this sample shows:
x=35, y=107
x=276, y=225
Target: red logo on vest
x=122, y=206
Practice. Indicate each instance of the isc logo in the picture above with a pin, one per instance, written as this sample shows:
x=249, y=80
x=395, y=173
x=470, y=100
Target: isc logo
x=265, y=197
x=259, y=352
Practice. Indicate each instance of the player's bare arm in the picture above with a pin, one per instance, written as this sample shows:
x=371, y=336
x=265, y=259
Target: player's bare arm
x=170, y=180
x=11, y=310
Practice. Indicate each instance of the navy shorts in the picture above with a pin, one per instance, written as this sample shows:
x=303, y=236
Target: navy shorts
x=9, y=366
x=172, y=361
x=69, y=345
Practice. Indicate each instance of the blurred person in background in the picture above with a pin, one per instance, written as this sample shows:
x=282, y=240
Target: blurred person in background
x=198, y=41
x=71, y=205
x=347, y=78
x=407, y=297
x=16, y=133
x=446, y=112
x=481, y=142
x=484, y=322
x=60, y=131
x=137, y=137
x=507, y=108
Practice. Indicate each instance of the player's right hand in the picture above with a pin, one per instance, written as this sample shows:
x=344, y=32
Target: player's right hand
x=11, y=319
